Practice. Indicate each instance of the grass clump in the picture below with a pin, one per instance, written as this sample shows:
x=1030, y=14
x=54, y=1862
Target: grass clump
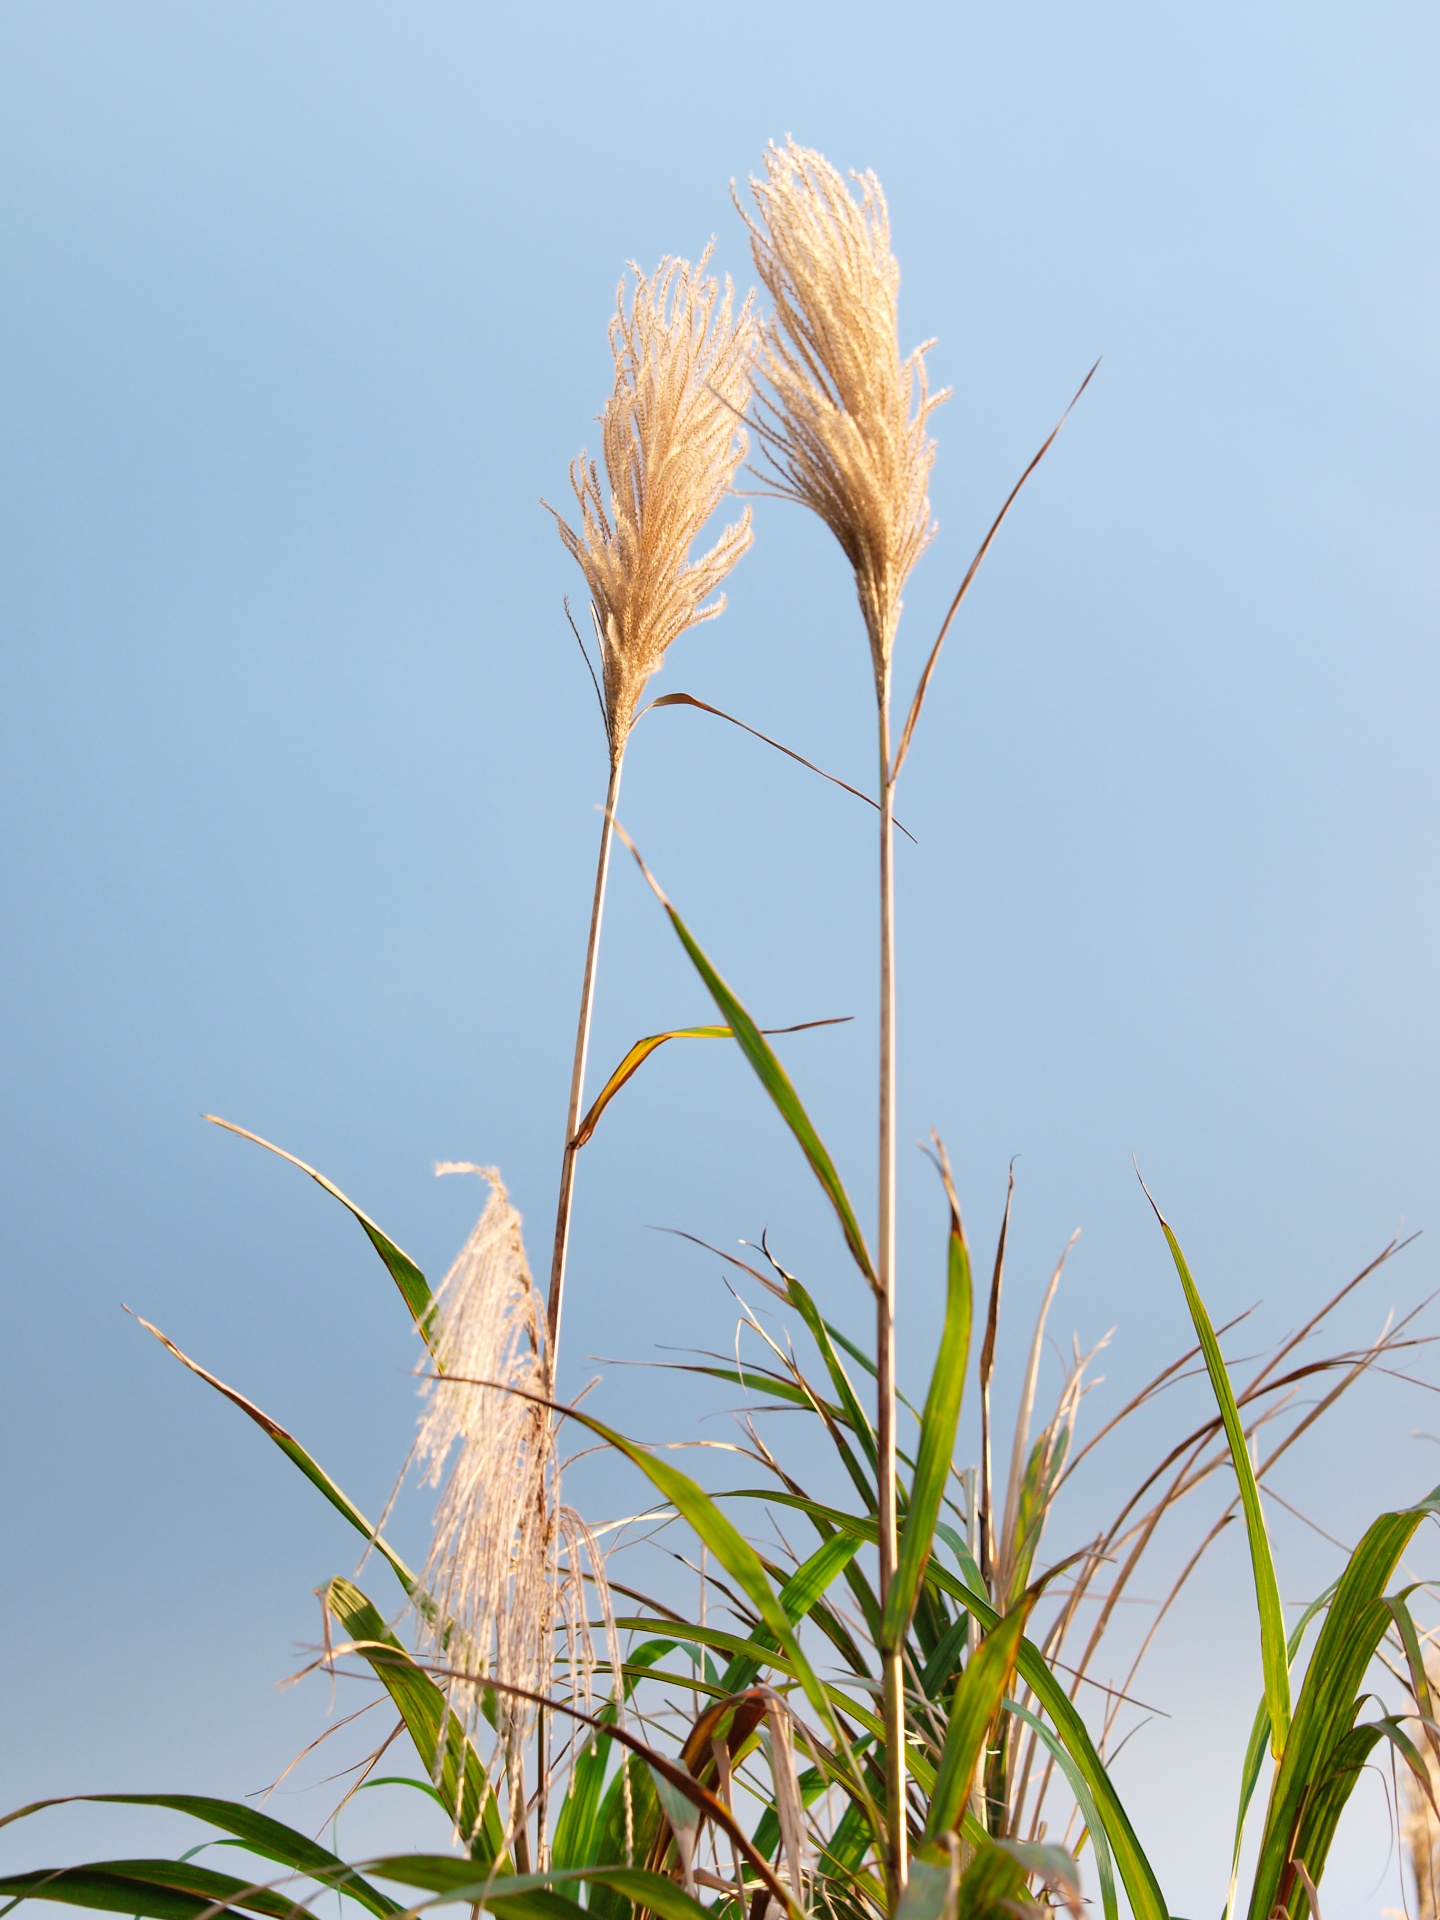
x=896, y=1719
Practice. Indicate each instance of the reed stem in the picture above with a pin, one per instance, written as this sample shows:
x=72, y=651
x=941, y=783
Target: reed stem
x=892, y=1674
x=577, y=1078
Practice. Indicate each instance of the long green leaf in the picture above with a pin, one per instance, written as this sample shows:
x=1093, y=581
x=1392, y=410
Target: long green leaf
x=994, y=1883
x=1328, y=1798
x=270, y=1839
x=1314, y=1760
x=932, y=1891
x=799, y=1594
x=982, y=1687
x=937, y=1442
x=457, y=1771
x=1255, y=1750
x=414, y=1287
x=631, y=1065
x=597, y=1824
x=294, y=1452
x=1274, y=1664
x=772, y=1077
x=455, y=1879
x=576, y=1822
x=1084, y=1800
x=821, y=1333
x=158, y=1889
x=729, y=1546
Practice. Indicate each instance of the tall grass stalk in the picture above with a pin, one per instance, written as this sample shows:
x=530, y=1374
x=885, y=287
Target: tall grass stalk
x=892, y=1655
x=845, y=434
x=672, y=441
x=565, y=1202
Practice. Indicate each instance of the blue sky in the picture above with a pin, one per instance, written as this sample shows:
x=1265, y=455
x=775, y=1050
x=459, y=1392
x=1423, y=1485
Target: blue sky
x=304, y=308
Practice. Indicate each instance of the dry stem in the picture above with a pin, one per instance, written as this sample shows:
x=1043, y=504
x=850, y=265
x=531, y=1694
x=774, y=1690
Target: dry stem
x=577, y=1077
x=892, y=1674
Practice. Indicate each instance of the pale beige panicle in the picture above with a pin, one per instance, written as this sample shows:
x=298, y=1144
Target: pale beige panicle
x=846, y=417
x=672, y=441
x=505, y=1567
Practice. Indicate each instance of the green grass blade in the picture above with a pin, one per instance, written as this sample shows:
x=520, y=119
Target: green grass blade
x=798, y=1595
x=776, y=1082
x=969, y=1565
x=937, y=1443
x=1084, y=1800
x=458, y=1773
x=1274, y=1664
x=1037, y=1492
x=1414, y=1653
x=294, y=1452
x=729, y=1546
x=820, y=1333
x=455, y=1879
x=156, y=1889
x=993, y=1887
x=772, y=1077
x=268, y=1838
x=982, y=1687
x=1355, y=1622
x=1328, y=1798
x=579, y=1815
x=414, y=1287
x=1137, y=1876
x=814, y=1577
x=1255, y=1750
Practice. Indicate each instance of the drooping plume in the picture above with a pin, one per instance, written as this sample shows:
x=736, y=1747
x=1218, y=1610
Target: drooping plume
x=845, y=417
x=505, y=1566
x=672, y=441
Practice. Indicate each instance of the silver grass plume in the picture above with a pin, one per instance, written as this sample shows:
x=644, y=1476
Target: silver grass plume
x=506, y=1566
x=672, y=442
x=845, y=420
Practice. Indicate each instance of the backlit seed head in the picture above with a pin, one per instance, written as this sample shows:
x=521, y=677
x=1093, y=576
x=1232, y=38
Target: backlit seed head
x=672, y=440
x=844, y=421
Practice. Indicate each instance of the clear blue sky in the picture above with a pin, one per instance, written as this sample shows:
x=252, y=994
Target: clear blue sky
x=302, y=308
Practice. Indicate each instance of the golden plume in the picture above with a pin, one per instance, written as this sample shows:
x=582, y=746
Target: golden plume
x=845, y=427
x=672, y=441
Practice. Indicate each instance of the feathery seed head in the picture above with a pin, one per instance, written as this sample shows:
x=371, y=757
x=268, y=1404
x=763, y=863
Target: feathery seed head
x=672, y=440
x=504, y=1568
x=845, y=432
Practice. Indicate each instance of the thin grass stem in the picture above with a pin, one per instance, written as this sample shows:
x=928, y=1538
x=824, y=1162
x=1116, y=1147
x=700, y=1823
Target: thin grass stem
x=892, y=1674
x=565, y=1203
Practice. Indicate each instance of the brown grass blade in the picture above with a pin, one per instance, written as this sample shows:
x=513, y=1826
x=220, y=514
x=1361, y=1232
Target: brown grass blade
x=642, y=1050
x=703, y=706
x=924, y=686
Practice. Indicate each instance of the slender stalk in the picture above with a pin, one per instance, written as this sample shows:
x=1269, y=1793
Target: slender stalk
x=577, y=1078
x=892, y=1673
